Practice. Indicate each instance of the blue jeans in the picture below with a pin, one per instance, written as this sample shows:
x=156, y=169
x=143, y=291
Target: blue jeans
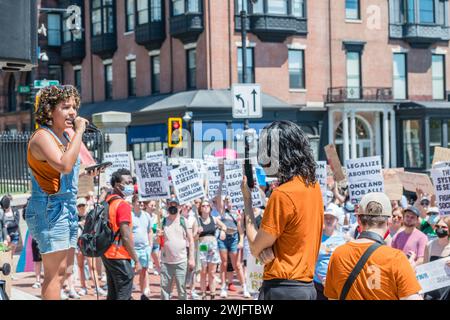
x=230, y=243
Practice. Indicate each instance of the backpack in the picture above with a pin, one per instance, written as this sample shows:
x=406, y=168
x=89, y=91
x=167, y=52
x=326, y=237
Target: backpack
x=97, y=234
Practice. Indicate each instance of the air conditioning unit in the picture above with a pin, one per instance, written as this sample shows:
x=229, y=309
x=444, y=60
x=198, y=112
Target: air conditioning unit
x=18, y=37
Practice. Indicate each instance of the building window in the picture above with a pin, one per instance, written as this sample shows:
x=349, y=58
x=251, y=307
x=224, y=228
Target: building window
x=277, y=7
x=108, y=81
x=77, y=76
x=155, y=74
x=411, y=11
x=426, y=10
x=68, y=36
x=54, y=29
x=250, y=66
x=298, y=8
x=142, y=11
x=296, y=69
x=182, y=6
x=129, y=15
x=55, y=73
x=352, y=9
x=191, y=69
x=353, y=74
x=438, y=75
x=132, y=78
x=12, y=102
x=412, y=144
x=156, y=10
x=400, y=82
x=102, y=19
x=435, y=136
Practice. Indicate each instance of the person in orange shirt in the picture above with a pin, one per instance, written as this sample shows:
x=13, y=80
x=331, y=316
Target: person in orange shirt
x=386, y=275
x=53, y=158
x=289, y=238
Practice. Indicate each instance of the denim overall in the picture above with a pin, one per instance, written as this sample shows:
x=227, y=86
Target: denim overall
x=52, y=218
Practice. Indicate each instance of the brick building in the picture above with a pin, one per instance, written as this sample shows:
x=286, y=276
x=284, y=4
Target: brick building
x=369, y=76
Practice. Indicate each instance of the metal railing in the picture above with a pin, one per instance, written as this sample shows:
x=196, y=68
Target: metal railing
x=14, y=171
x=344, y=94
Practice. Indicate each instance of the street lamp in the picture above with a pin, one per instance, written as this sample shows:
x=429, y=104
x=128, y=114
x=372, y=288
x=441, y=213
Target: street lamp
x=187, y=118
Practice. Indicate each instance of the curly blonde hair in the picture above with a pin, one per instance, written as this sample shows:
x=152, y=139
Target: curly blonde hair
x=49, y=97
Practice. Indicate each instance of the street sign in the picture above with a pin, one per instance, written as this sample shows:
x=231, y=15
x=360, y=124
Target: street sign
x=24, y=89
x=246, y=100
x=38, y=84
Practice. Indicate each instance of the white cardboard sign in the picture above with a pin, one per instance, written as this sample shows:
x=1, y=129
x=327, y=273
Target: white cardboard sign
x=255, y=271
x=120, y=160
x=441, y=181
x=321, y=175
x=187, y=183
x=152, y=180
x=433, y=275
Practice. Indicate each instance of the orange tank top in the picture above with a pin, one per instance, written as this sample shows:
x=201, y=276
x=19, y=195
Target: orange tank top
x=46, y=176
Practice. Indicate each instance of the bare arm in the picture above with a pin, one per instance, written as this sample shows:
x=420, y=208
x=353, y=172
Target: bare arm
x=125, y=234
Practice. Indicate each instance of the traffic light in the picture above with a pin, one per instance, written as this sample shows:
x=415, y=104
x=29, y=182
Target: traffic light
x=175, y=137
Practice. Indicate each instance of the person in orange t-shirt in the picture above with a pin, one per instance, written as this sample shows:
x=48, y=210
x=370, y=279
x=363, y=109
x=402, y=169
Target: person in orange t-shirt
x=387, y=274
x=290, y=234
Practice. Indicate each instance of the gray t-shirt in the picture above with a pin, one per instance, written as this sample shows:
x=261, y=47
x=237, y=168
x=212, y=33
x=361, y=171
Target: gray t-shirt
x=142, y=224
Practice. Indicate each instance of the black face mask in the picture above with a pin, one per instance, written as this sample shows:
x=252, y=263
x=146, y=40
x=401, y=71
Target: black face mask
x=172, y=210
x=441, y=233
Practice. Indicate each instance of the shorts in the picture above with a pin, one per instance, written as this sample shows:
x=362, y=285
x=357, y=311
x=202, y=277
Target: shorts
x=14, y=238
x=156, y=247
x=208, y=253
x=53, y=223
x=230, y=243
x=143, y=256
x=35, y=250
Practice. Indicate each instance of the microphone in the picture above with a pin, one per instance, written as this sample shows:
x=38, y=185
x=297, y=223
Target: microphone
x=89, y=127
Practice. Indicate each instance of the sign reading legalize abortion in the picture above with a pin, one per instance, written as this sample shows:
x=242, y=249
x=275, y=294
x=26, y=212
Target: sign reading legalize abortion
x=187, y=183
x=441, y=180
x=364, y=176
x=152, y=180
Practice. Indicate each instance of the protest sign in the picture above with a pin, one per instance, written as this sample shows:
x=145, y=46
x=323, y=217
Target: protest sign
x=321, y=176
x=120, y=160
x=441, y=180
x=187, y=183
x=152, y=180
x=334, y=162
x=255, y=271
x=233, y=181
x=85, y=183
x=433, y=275
x=364, y=176
x=393, y=186
x=214, y=179
x=156, y=156
x=440, y=155
x=412, y=181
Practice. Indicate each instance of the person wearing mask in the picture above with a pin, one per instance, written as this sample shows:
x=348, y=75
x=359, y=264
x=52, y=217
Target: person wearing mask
x=410, y=240
x=53, y=158
x=427, y=225
x=331, y=239
x=117, y=259
x=208, y=248
x=288, y=240
x=175, y=259
x=437, y=249
x=395, y=278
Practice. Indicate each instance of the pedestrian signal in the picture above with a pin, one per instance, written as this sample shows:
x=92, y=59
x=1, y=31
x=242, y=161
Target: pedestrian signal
x=175, y=137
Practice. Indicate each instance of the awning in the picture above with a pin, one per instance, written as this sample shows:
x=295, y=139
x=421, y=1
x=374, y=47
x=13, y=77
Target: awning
x=425, y=105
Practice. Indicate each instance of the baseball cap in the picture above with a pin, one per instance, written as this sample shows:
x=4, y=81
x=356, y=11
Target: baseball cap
x=433, y=210
x=332, y=210
x=379, y=198
x=349, y=207
x=173, y=200
x=81, y=201
x=413, y=210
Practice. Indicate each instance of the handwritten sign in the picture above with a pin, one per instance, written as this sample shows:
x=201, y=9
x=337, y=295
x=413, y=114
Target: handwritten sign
x=152, y=180
x=255, y=271
x=411, y=181
x=156, y=156
x=321, y=176
x=393, y=186
x=334, y=162
x=187, y=183
x=433, y=275
x=120, y=160
x=214, y=179
x=364, y=176
x=441, y=180
x=440, y=154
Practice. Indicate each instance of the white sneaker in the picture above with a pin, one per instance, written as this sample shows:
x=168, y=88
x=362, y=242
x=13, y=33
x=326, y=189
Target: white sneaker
x=83, y=292
x=36, y=285
x=101, y=292
x=156, y=273
x=247, y=294
x=63, y=295
x=223, y=293
x=195, y=296
x=73, y=294
x=147, y=292
x=218, y=280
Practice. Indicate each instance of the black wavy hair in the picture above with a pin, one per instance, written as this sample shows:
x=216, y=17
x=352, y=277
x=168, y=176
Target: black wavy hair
x=292, y=154
x=116, y=177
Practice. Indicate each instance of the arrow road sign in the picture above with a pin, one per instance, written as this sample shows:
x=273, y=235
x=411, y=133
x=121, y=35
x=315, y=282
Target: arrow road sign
x=246, y=100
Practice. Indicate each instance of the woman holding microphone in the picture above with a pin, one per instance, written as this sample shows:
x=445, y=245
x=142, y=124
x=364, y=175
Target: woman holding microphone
x=52, y=156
